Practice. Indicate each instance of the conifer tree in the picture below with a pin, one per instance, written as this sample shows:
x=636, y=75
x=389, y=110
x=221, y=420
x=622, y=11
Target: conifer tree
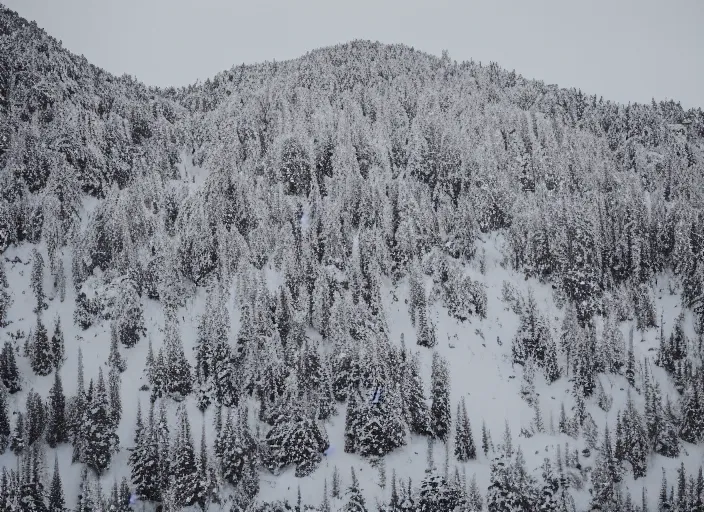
x=8, y=369
x=17, y=442
x=115, y=360
x=57, y=344
x=335, y=491
x=355, y=500
x=440, y=409
x=5, y=430
x=486, y=442
x=325, y=504
x=418, y=415
x=60, y=280
x=184, y=467
x=56, y=491
x=98, y=432
x=144, y=461
x=115, y=396
x=177, y=371
x=35, y=417
x=37, y=281
x=464, y=440
x=57, y=429
x=630, y=362
x=475, y=501
x=605, y=477
x=41, y=355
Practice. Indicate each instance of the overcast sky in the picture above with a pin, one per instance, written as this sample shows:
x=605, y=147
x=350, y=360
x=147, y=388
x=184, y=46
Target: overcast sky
x=625, y=50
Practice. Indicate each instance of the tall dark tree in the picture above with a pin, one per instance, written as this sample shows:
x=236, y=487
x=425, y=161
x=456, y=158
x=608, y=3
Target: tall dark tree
x=35, y=417
x=465, y=448
x=18, y=442
x=58, y=351
x=57, y=429
x=37, y=281
x=144, y=461
x=57, y=503
x=184, y=467
x=8, y=369
x=5, y=430
x=99, y=438
x=41, y=356
x=440, y=415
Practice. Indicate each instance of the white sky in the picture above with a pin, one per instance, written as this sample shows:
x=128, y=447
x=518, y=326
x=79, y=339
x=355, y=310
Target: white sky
x=625, y=50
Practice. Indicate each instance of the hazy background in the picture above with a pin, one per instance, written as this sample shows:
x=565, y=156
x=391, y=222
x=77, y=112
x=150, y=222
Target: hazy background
x=625, y=50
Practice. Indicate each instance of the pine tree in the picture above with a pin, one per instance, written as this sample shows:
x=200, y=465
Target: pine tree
x=115, y=360
x=60, y=280
x=351, y=423
x=207, y=478
x=635, y=447
x=41, y=355
x=335, y=491
x=57, y=344
x=57, y=429
x=114, y=383
x=37, y=281
x=98, y=432
x=5, y=430
x=630, y=362
x=17, y=443
x=8, y=369
x=562, y=422
x=464, y=440
x=184, y=467
x=605, y=477
x=56, y=491
x=418, y=415
x=78, y=412
x=35, y=417
x=474, y=497
x=325, y=504
x=664, y=502
x=176, y=369
x=440, y=409
x=486, y=442
x=144, y=461
x=355, y=500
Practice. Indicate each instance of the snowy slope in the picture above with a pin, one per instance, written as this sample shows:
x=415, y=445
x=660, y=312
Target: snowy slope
x=480, y=371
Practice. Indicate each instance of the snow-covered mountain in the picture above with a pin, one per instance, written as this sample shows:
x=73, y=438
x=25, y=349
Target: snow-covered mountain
x=368, y=278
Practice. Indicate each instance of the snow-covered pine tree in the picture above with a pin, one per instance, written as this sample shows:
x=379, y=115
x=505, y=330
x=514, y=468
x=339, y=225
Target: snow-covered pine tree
x=115, y=395
x=440, y=415
x=144, y=461
x=99, y=439
x=418, y=415
x=57, y=344
x=37, y=281
x=184, y=466
x=115, y=360
x=129, y=317
x=5, y=430
x=605, y=477
x=57, y=502
x=57, y=428
x=178, y=381
x=465, y=448
x=36, y=417
x=336, y=484
x=41, y=356
x=355, y=499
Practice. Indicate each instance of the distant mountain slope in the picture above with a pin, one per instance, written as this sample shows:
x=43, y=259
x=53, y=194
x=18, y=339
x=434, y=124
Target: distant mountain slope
x=323, y=263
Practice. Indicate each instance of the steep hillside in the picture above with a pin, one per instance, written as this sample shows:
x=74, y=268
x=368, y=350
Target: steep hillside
x=466, y=285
